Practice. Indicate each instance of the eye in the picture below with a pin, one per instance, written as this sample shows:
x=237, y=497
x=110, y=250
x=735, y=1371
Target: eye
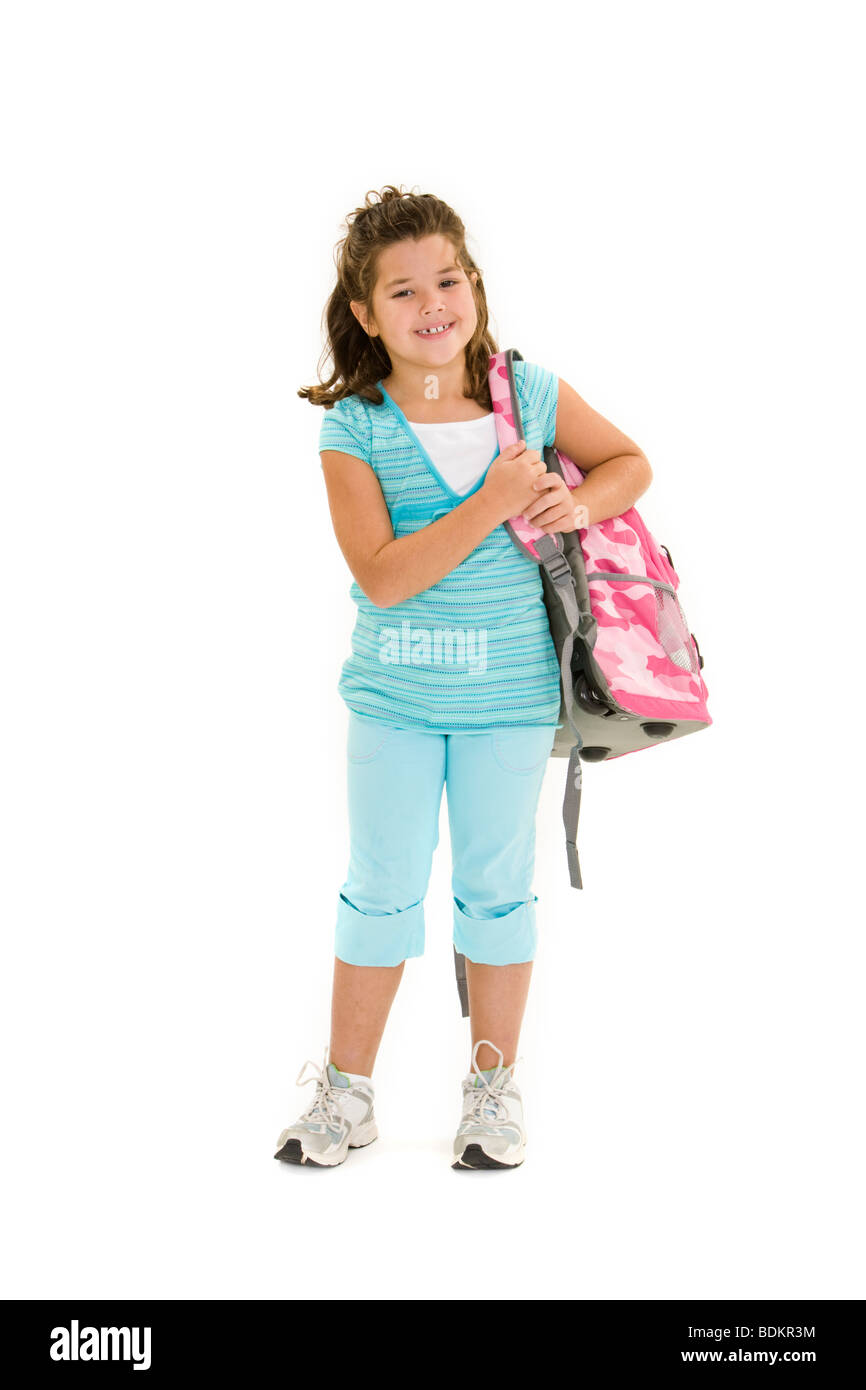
x=400, y=293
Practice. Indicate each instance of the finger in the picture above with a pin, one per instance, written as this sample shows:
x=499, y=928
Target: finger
x=544, y=498
x=542, y=514
x=554, y=518
x=550, y=482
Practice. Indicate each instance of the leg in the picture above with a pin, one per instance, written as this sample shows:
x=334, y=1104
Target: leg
x=497, y=1000
x=395, y=780
x=494, y=782
x=360, y=1004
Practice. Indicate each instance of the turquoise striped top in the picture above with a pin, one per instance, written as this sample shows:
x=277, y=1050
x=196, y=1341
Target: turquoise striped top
x=474, y=650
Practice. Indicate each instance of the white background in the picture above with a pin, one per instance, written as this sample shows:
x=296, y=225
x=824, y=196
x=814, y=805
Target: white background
x=664, y=201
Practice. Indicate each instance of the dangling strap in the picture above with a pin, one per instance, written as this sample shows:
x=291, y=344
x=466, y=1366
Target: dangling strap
x=462, y=986
x=570, y=813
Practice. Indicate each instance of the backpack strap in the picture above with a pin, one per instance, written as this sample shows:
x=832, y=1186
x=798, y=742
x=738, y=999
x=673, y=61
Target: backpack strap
x=558, y=571
x=462, y=986
x=547, y=551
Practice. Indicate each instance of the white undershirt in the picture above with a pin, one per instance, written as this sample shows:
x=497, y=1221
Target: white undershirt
x=460, y=449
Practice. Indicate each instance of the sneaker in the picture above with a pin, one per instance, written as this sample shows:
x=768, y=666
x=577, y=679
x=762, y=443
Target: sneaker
x=339, y=1118
x=491, y=1133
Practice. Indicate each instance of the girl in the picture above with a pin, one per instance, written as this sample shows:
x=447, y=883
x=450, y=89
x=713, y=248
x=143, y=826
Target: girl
x=453, y=680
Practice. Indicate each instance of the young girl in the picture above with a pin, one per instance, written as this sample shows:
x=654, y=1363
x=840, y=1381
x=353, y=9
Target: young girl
x=453, y=679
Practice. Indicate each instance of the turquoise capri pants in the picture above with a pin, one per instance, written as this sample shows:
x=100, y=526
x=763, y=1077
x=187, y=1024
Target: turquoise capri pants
x=395, y=780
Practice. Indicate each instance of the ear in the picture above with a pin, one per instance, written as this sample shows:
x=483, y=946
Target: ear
x=360, y=314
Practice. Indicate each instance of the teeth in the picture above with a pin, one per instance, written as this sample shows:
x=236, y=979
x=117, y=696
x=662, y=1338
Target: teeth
x=431, y=332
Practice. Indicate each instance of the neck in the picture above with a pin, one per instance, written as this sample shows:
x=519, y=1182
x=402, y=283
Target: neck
x=411, y=386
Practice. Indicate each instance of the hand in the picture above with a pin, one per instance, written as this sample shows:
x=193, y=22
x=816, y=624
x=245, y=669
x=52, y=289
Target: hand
x=556, y=508
x=508, y=481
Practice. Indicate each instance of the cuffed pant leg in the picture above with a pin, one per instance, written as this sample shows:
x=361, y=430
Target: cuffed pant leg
x=373, y=937
x=498, y=937
x=494, y=782
x=395, y=779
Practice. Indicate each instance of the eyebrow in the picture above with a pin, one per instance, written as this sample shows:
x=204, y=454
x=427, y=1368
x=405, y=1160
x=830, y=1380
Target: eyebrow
x=408, y=278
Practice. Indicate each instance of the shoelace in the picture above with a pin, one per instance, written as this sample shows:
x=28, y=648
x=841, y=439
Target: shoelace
x=489, y=1106
x=323, y=1106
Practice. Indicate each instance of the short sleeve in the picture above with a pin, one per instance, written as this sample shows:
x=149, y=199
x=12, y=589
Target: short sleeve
x=346, y=426
x=539, y=392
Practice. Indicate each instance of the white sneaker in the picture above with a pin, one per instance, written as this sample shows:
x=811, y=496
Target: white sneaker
x=339, y=1118
x=491, y=1133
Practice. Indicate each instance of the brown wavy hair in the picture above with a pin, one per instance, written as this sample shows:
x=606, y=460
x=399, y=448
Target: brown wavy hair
x=359, y=361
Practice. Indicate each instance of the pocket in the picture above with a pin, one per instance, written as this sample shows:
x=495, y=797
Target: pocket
x=673, y=633
x=522, y=751
x=645, y=603
x=367, y=739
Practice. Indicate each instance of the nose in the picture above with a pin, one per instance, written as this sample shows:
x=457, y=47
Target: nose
x=433, y=302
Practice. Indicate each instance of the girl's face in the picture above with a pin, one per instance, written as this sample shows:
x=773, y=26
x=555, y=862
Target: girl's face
x=431, y=289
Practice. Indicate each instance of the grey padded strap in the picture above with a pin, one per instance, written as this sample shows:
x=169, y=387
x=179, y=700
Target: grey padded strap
x=462, y=986
x=559, y=572
x=570, y=814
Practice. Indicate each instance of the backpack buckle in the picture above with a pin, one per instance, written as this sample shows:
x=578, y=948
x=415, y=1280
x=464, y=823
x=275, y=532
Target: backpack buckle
x=557, y=567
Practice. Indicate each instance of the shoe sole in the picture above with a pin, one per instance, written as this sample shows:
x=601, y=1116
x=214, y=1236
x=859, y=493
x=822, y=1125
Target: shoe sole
x=293, y=1152
x=473, y=1156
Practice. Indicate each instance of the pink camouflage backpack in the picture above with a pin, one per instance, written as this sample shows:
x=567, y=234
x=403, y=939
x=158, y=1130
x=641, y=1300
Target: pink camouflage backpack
x=630, y=670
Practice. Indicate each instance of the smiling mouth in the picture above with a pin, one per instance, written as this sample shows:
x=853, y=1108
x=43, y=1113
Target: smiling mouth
x=438, y=332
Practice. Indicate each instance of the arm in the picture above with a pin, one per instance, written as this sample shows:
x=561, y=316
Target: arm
x=390, y=570
x=617, y=471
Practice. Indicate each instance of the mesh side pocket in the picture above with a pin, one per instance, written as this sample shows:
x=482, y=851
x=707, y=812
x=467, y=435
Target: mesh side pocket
x=673, y=633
